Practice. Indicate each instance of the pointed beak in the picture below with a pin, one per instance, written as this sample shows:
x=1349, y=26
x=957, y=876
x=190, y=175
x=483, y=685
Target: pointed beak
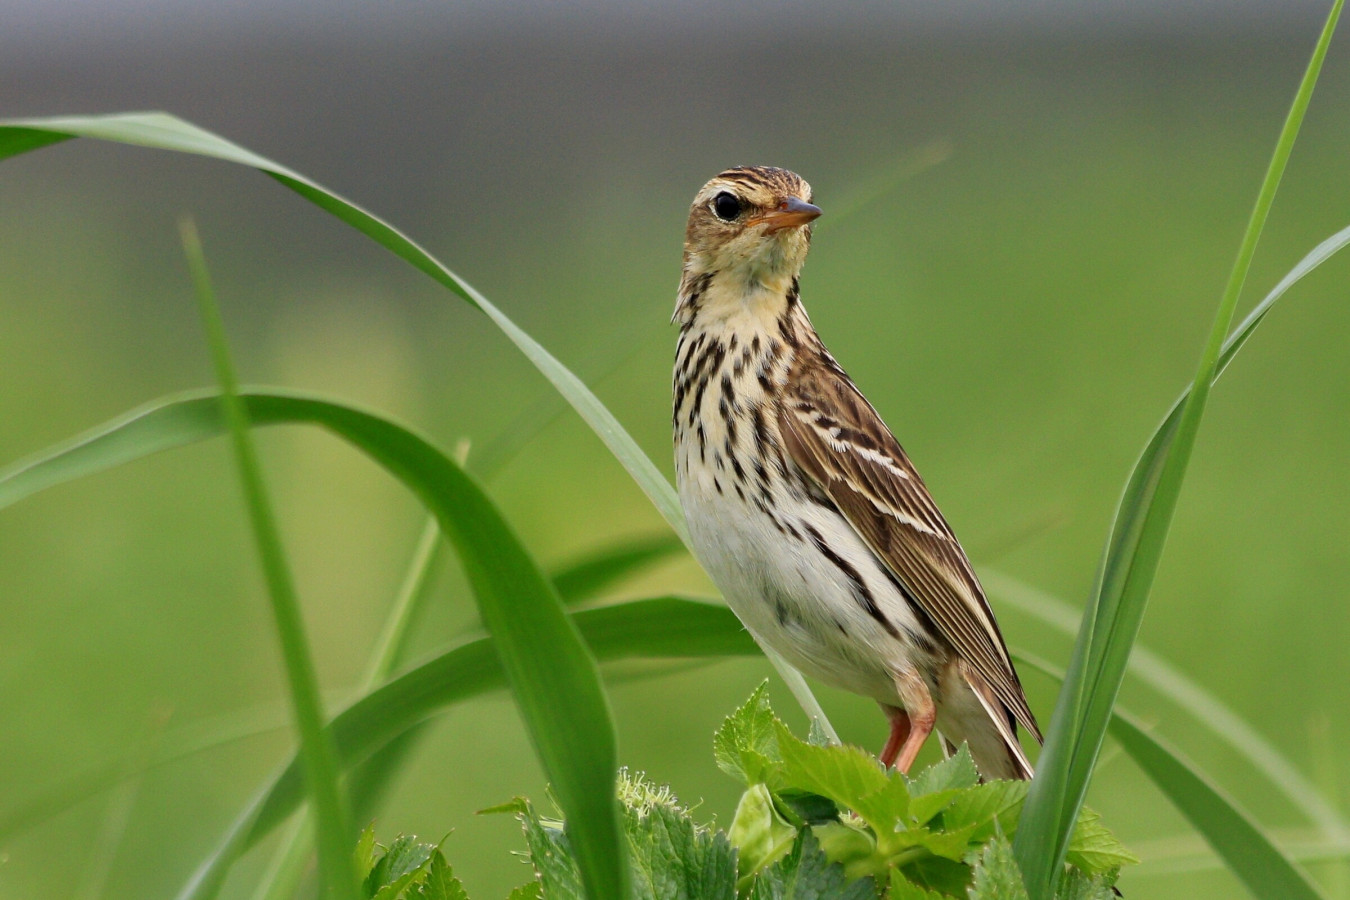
x=791, y=213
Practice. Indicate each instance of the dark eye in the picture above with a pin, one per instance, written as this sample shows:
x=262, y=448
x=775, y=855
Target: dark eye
x=726, y=206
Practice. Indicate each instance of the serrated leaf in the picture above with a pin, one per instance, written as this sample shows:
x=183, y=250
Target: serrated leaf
x=532, y=890
x=1094, y=849
x=849, y=776
x=996, y=874
x=673, y=857
x=806, y=874
x=1077, y=885
x=953, y=773
x=746, y=746
x=948, y=844
x=901, y=888
x=551, y=857
x=441, y=883
x=759, y=834
x=364, y=854
x=991, y=806
x=933, y=789
x=397, y=868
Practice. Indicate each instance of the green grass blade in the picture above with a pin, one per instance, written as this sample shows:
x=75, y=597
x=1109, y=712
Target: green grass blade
x=333, y=826
x=1134, y=551
x=167, y=132
x=1250, y=853
x=662, y=628
x=1208, y=710
x=163, y=131
x=288, y=860
x=585, y=578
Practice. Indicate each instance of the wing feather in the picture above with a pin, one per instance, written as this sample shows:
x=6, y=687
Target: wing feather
x=835, y=436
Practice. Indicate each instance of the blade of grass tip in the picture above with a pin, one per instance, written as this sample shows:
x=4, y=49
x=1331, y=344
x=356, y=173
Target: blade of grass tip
x=287, y=865
x=1248, y=851
x=321, y=772
x=1078, y=728
x=166, y=132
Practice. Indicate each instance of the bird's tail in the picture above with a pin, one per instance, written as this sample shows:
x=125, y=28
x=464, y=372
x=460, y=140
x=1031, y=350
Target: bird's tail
x=987, y=728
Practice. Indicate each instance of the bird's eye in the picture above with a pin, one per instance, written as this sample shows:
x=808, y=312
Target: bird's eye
x=726, y=206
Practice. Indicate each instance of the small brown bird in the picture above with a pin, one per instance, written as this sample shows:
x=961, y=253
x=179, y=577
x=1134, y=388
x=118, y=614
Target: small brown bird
x=803, y=507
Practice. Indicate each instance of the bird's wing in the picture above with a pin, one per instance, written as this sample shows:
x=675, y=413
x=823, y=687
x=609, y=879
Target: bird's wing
x=835, y=436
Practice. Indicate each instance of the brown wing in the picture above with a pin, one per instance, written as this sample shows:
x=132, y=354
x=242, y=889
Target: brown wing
x=834, y=435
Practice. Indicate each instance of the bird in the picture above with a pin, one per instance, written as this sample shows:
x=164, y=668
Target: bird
x=803, y=507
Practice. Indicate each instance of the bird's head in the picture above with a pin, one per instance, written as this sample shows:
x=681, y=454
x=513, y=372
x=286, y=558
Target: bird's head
x=749, y=229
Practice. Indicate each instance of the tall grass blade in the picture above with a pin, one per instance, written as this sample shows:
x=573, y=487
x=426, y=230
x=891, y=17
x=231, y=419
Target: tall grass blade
x=1133, y=553
x=1204, y=708
x=283, y=873
x=666, y=628
x=1250, y=853
x=585, y=578
x=165, y=132
x=333, y=826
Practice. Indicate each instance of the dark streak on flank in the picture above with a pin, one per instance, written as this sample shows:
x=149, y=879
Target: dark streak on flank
x=860, y=589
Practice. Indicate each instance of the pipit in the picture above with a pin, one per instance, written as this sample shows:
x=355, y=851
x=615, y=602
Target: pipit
x=803, y=507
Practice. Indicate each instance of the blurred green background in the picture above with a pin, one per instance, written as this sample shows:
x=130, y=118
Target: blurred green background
x=1022, y=313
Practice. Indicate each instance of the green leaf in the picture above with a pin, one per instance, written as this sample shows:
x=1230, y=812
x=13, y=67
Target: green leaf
x=1134, y=551
x=532, y=890
x=1076, y=885
x=673, y=857
x=440, y=883
x=166, y=132
x=331, y=813
x=364, y=855
x=996, y=873
x=850, y=776
x=1094, y=849
x=406, y=860
x=806, y=874
x=901, y=888
x=746, y=746
x=586, y=578
x=956, y=772
x=937, y=786
x=551, y=855
x=760, y=835
x=992, y=807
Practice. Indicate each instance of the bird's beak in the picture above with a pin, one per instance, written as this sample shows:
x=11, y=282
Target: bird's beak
x=791, y=213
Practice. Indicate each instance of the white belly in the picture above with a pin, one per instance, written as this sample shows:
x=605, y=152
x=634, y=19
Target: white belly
x=795, y=599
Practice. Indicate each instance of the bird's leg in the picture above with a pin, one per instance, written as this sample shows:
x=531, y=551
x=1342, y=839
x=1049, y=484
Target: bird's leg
x=920, y=716
x=899, y=731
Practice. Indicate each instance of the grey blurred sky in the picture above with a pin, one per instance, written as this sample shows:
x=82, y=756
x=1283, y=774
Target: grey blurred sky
x=48, y=27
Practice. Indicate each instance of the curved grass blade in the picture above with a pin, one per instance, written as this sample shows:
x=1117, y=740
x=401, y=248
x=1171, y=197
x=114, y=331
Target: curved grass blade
x=665, y=627
x=552, y=675
x=165, y=132
x=1233, y=834
x=333, y=830
x=586, y=577
x=1205, y=708
x=1134, y=551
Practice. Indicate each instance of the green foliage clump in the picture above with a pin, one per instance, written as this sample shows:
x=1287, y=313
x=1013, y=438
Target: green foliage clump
x=816, y=821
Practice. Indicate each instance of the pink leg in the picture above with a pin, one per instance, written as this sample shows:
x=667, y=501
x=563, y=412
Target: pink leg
x=920, y=714
x=899, y=732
